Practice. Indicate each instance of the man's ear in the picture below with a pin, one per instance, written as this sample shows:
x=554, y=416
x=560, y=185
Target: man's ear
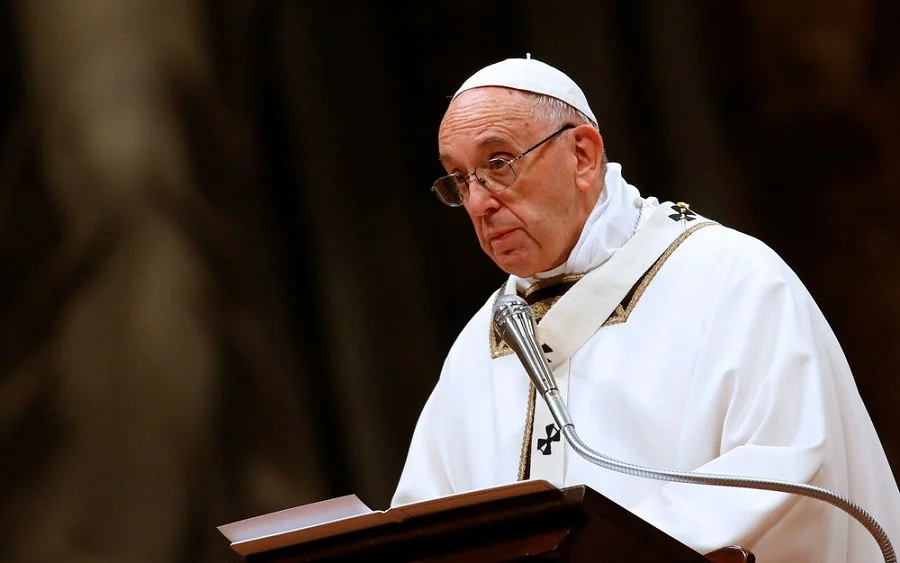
x=588, y=156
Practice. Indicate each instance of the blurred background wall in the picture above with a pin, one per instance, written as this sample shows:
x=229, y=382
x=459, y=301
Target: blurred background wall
x=225, y=288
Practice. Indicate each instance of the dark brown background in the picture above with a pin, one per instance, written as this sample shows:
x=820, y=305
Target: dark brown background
x=225, y=288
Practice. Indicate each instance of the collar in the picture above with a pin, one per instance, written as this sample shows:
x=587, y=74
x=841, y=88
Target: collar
x=617, y=215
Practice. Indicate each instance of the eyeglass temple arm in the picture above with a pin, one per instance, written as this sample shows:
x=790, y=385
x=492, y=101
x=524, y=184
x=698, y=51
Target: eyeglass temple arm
x=544, y=140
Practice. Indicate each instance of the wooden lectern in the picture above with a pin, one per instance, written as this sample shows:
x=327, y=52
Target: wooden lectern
x=566, y=525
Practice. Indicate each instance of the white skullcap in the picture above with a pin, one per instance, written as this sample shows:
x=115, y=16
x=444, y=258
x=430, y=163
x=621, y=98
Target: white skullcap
x=530, y=75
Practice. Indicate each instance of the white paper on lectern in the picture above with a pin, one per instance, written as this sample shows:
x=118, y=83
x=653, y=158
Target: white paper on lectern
x=346, y=514
x=295, y=518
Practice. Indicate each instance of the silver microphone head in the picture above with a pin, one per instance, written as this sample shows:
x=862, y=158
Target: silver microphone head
x=507, y=307
x=514, y=324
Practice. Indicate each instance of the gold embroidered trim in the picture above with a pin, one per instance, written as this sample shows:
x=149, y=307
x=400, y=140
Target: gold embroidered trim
x=498, y=347
x=562, y=278
x=621, y=314
x=525, y=456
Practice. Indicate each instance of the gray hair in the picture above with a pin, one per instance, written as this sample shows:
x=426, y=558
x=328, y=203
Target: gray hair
x=557, y=112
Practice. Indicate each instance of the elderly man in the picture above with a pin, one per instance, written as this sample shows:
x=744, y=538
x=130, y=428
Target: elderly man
x=676, y=342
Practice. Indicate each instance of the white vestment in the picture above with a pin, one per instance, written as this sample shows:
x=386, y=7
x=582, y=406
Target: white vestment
x=720, y=362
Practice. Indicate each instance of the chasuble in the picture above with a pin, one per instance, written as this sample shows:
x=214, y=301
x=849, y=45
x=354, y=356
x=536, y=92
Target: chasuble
x=713, y=358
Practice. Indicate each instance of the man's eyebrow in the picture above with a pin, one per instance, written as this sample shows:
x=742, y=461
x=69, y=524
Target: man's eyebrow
x=490, y=140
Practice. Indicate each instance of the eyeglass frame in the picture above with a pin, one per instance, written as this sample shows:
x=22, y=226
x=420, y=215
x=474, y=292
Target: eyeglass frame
x=507, y=162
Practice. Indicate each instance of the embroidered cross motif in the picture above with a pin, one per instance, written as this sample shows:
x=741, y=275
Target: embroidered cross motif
x=682, y=212
x=547, y=350
x=545, y=444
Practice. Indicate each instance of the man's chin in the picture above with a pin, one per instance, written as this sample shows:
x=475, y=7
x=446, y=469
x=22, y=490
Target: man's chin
x=515, y=265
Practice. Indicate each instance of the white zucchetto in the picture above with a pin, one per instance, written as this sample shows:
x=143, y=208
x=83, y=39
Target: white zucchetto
x=530, y=75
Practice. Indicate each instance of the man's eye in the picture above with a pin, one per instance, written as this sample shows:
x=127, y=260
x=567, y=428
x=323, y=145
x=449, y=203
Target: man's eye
x=496, y=163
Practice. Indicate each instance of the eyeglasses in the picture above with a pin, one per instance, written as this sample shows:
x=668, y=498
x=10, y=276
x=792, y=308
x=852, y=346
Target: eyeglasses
x=495, y=175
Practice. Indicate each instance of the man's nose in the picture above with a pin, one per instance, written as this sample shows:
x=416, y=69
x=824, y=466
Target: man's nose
x=480, y=200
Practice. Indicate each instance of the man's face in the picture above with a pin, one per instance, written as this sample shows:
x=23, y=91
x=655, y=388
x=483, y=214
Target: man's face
x=532, y=225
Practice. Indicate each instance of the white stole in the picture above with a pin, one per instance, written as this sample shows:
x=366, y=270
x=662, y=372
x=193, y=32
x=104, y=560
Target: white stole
x=582, y=310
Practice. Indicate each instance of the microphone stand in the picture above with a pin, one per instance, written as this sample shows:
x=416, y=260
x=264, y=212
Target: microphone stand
x=514, y=322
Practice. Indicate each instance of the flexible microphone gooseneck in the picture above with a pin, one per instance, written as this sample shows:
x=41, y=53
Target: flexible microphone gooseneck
x=514, y=323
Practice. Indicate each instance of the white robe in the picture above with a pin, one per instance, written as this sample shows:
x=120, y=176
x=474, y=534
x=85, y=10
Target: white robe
x=724, y=365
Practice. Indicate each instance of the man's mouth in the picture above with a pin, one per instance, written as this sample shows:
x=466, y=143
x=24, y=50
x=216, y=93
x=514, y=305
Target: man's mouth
x=501, y=235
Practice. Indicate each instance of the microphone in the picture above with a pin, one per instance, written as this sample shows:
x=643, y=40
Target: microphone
x=514, y=322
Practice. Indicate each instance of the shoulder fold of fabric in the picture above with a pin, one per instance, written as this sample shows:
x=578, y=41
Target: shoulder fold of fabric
x=583, y=309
